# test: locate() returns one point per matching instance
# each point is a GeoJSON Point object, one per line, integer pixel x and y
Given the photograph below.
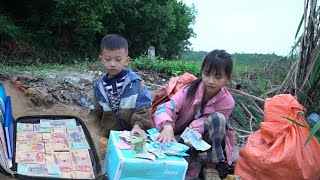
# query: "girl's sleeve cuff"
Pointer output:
{"type": "Point", "coordinates": [166, 123]}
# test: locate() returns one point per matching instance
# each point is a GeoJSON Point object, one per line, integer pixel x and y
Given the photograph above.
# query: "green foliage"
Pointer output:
{"type": "Point", "coordinates": [170, 67]}
{"type": "Point", "coordinates": [40, 69]}
{"type": "Point", "coordinates": [63, 28]}
{"type": "Point", "coordinates": [193, 55]}
{"type": "Point", "coordinates": [8, 29]}
{"type": "Point", "coordinates": [313, 132]}
{"type": "Point", "coordinates": [241, 116]}
{"type": "Point", "coordinates": [162, 24]}
{"type": "Point", "coordinates": [265, 73]}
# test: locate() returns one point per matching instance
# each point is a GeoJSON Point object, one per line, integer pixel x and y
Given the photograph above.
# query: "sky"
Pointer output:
{"type": "Point", "coordinates": [246, 26]}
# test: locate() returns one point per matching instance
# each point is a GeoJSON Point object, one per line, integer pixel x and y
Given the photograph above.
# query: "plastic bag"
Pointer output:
{"type": "Point", "coordinates": [277, 150]}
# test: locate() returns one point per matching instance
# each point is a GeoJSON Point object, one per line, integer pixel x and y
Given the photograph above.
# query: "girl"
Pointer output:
{"type": "Point", "coordinates": [203, 105]}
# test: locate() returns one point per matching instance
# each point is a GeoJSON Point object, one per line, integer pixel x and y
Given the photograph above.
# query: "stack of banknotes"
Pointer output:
{"type": "Point", "coordinates": [53, 148]}
{"type": "Point", "coordinates": [193, 137]}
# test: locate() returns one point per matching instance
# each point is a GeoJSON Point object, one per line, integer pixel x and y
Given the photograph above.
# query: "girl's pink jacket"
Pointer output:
{"type": "Point", "coordinates": [179, 111]}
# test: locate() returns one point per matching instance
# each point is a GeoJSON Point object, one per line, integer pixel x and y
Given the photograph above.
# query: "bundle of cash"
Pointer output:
{"type": "Point", "coordinates": [31, 157]}
{"type": "Point", "coordinates": [64, 161]}
{"type": "Point", "coordinates": [38, 129]}
{"type": "Point", "coordinates": [53, 148]}
{"type": "Point", "coordinates": [191, 136]}
{"type": "Point", "coordinates": [24, 127]}
{"type": "Point", "coordinates": [153, 133]}
{"type": "Point", "coordinates": [125, 136]}
{"type": "Point", "coordinates": [81, 160]}
{"type": "Point", "coordinates": [155, 151]}
{"type": "Point", "coordinates": [138, 145]}
{"type": "Point", "coordinates": [75, 134]}
{"type": "Point", "coordinates": [46, 137]}
{"type": "Point", "coordinates": [30, 146]}
{"type": "Point", "coordinates": [28, 136]}
{"type": "Point", "coordinates": [49, 158]}
{"type": "Point", "coordinates": [67, 123]}
{"type": "Point", "coordinates": [31, 169]}
{"type": "Point", "coordinates": [51, 170]}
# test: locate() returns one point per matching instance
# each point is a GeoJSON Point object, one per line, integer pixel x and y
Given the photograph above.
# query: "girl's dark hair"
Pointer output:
{"type": "Point", "coordinates": [114, 42]}
{"type": "Point", "coordinates": [217, 61]}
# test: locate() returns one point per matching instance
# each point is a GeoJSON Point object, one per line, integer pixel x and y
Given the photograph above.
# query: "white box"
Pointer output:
{"type": "Point", "coordinates": [121, 164]}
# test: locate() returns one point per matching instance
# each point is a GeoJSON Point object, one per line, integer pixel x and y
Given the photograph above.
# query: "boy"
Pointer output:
{"type": "Point", "coordinates": [121, 98]}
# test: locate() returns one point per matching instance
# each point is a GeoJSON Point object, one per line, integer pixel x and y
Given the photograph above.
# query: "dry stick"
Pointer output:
{"type": "Point", "coordinates": [245, 94]}
{"type": "Point", "coordinates": [155, 85]}
{"type": "Point", "coordinates": [242, 130]}
{"type": "Point", "coordinates": [287, 77]}
{"type": "Point", "coordinates": [257, 106]}
{"type": "Point", "coordinates": [236, 131]}
{"type": "Point", "coordinates": [315, 54]}
{"type": "Point", "coordinates": [244, 136]}
{"type": "Point", "coordinates": [251, 116]}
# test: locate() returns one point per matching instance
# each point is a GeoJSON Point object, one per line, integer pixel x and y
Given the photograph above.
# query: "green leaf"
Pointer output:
{"type": "Point", "coordinates": [299, 27]}
{"type": "Point", "coordinates": [313, 132]}
{"type": "Point", "coordinates": [293, 121]}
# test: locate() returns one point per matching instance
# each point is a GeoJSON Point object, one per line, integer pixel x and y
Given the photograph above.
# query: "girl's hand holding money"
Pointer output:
{"type": "Point", "coordinates": [166, 135]}
{"type": "Point", "coordinates": [137, 130]}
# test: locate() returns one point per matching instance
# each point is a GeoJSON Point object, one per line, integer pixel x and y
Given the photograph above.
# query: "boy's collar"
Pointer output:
{"type": "Point", "coordinates": [116, 77]}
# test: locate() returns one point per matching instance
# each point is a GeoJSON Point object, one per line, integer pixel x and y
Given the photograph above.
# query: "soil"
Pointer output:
{"type": "Point", "coordinates": [68, 93]}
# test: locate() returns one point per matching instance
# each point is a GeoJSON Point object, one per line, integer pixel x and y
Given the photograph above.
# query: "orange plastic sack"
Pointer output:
{"type": "Point", "coordinates": [169, 89]}
{"type": "Point", "coordinates": [277, 150]}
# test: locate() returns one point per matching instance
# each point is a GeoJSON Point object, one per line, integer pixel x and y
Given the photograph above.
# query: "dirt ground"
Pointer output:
{"type": "Point", "coordinates": [63, 95]}
{"type": "Point", "coordinates": [22, 106]}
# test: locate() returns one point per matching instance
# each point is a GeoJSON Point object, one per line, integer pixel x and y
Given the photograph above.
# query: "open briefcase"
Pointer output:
{"type": "Point", "coordinates": [33, 155]}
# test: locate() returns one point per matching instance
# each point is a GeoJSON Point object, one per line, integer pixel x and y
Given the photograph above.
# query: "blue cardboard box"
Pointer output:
{"type": "Point", "coordinates": [121, 164]}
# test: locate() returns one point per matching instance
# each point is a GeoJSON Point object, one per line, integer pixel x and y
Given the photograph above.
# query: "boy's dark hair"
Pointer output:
{"type": "Point", "coordinates": [217, 61]}
{"type": "Point", "coordinates": [113, 42]}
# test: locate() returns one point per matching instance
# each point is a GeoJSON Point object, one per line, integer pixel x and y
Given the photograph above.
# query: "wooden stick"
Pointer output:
{"type": "Point", "coordinates": [257, 106]}
{"type": "Point", "coordinates": [245, 94]}
{"type": "Point", "coordinates": [247, 110]}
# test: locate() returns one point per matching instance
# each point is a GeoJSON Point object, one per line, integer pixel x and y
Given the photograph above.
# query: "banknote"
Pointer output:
{"type": "Point", "coordinates": [84, 175]}
{"type": "Point", "coordinates": [125, 136]}
{"type": "Point", "coordinates": [31, 157]}
{"type": "Point", "coordinates": [81, 144]}
{"type": "Point", "coordinates": [146, 155]}
{"type": "Point", "coordinates": [155, 151]}
{"type": "Point", "coordinates": [67, 175]}
{"type": "Point", "coordinates": [81, 160]}
{"type": "Point", "coordinates": [38, 129]}
{"type": "Point", "coordinates": [59, 135]}
{"type": "Point", "coordinates": [49, 158]}
{"type": "Point", "coordinates": [48, 146]}
{"type": "Point", "coordinates": [60, 144]}
{"type": "Point", "coordinates": [138, 145]}
{"type": "Point", "coordinates": [58, 130]}
{"type": "Point", "coordinates": [52, 170]}
{"type": "Point", "coordinates": [24, 127]}
{"type": "Point", "coordinates": [67, 123]}
{"type": "Point", "coordinates": [191, 136]}
{"type": "Point", "coordinates": [76, 134]}
{"type": "Point", "coordinates": [31, 169]}
{"type": "Point", "coordinates": [30, 146]}
{"type": "Point", "coordinates": [46, 137]}
{"type": "Point", "coordinates": [28, 136]}
{"type": "Point", "coordinates": [183, 135]}
{"type": "Point", "coordinates": [63, 159]}
{"type": "Point", "coordinates": [153, 133]}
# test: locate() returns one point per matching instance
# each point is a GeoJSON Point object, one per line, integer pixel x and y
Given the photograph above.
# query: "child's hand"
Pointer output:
{"type": "Point", "coordinates": [137, 130]}
{"type": "Point", "coordinates": [189, 144]}
{"type": "Point", "coordinates": [166, 134]}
